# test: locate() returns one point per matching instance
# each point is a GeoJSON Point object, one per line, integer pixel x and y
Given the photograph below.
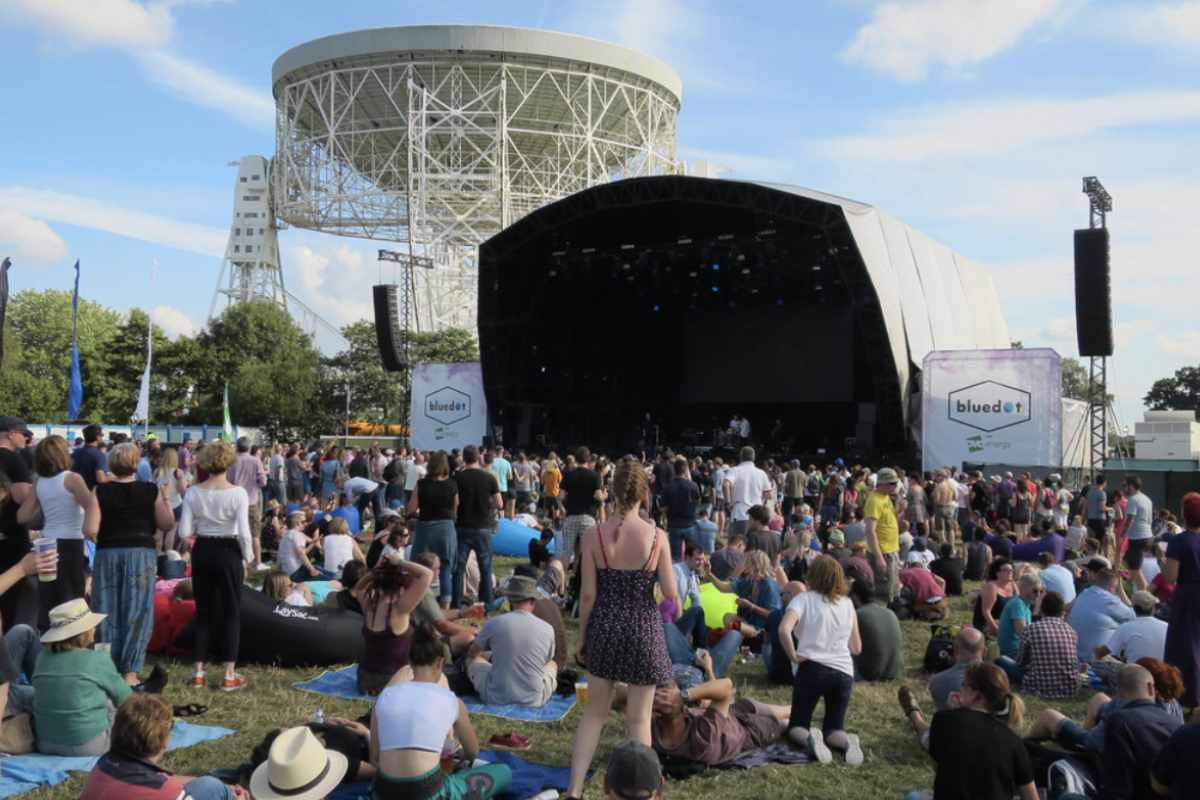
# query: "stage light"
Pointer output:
{"type": "Point", "coordinates": [692, 274]}
{"type": "Point", "coordinates": [656, 308]}
{"type": "Point", "coordinates": [715, 289]}
{"type": "Point", "coordinates": [552, 273]}
{"type": "Point", "coordinates": [628, 246]}
{"type": "Point", "coordinates": [716, 266]}
{"type": "Point", "coordinates": [745, 270]}
{"type": "Point", "coordinates": [779, 302]}
{"type": "Point", "coordinates": [625, 266]}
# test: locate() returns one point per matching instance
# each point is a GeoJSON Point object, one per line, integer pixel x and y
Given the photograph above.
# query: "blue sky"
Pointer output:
{"type": "Point", "coordinates": [971, 120]}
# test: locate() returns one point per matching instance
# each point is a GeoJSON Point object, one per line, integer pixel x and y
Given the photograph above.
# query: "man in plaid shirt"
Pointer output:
{"type": "Point", "coordinates": [1047, 663]}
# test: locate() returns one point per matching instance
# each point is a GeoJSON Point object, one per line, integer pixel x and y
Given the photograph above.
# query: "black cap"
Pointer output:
{"type": "Point", "coordinates": [10, 423]}
{"type": "Point", "coordinates": [633, 771]}
{"type": "Point", "coordinates": [1097, 564]}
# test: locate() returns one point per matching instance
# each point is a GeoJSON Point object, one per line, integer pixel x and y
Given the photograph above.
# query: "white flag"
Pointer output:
{"type": "Point", "coordinates": [142, 412]}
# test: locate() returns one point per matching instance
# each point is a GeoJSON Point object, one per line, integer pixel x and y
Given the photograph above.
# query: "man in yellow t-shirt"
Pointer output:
{"type": "Point", "coordinates": [883, 532]}
{"type": "Point", "coordinates": [551, 478]}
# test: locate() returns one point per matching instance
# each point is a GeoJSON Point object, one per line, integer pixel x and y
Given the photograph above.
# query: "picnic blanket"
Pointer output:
{"type": "Point", "coordinates": [22, 773]}
{"type": "Point", "coordinates": [344, 683]}
{"type": "Point", "coordinates": [778, 753]}
{"type": "Point", "coordinates": [528, 779]}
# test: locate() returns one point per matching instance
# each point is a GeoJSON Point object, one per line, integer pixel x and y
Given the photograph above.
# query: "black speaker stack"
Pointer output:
{"type": "Point", "coordinates": [1093, 293]}
{"type": "Point", "coordinates": [387, 328]}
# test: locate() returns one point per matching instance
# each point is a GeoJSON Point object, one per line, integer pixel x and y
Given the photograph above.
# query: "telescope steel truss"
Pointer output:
{"type": "Point", "coordinates": [442, 149]}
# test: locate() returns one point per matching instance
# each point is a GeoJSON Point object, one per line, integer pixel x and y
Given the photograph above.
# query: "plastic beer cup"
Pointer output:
{"type": "Point", "coordinates": [581, 691]}
{"type": "Point", "coordinates": [42, 546]}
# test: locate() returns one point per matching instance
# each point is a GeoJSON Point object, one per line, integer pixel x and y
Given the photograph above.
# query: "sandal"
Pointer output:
{"type": "Point", "coordinates": [511, 740]}
{"type": "Point", "coordinates": [908, 702]}
{"type": "Point", "coordinates": [190, 710]}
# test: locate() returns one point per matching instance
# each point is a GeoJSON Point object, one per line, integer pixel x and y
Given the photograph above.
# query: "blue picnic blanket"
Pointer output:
{"type": "Point", "coordinates": [344, 683]}
{"type": "Point", "coordinates": [22, 773]}
{"type": "Point", "coordinates": [528, 779]}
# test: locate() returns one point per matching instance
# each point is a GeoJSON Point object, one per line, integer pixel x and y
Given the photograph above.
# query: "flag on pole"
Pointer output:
{"type": "Point", "coordinates": [227, 432]}
{"type": "Point", "coordinates": [142, 412]}
{"type": "Point", "coordinates": [75, 394]}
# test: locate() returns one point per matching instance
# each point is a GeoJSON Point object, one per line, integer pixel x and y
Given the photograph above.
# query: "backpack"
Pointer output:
{"type": "Point", "coordinates": [813, 486]}
{"type": "Point", "coordinates": [1047, 499]}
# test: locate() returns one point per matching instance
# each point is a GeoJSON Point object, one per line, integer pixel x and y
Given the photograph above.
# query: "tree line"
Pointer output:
{"type": "Point", "coordinates": [278, 380]}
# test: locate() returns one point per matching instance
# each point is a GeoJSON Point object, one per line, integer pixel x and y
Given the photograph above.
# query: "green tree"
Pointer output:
{"type": "Point", "coordinates": [41, 321]}
{"type": "Point", "coordinates": [451, 346]}
{"type": "Point", "coordinates": [376, 395]}
{"type": "Point", "coordinates": [1178, 393]}
{"type": "Point", "coordinates": [1074, 379]}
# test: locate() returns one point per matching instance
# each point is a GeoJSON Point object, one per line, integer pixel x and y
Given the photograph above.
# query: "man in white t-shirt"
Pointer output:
{"type": "Point", "coordinates": [1144, 635]}
{"type": "Point", "coordinates": [745, 485]}
{"type": "Point", "coordinates": [1139, 513]}
{"type": "Point", "coordinates": [414, 471]}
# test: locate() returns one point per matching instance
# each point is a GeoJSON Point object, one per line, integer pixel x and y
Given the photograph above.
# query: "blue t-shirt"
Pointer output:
{"type": "Point", "coordinates": [1095, 497]}
{"type": "Point", "coordinates": [351, 515]}
{"type": "Point", "coordinates": [1008, 638]}
{"type": "Point", "coordinates": [503, 468]}
{"type": "Point", "coordinates": [86, 461]}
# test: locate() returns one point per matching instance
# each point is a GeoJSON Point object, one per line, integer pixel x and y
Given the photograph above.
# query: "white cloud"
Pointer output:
{"type": "Point", "coordinates": [175, 322]}
{"type": "Point", "coordinates": [1185, 344]}
{"type": "Point", "coordinates": [1158, 25]}
{"type": "Point", "coordinates": [145, 32]}
{"type": "Point", "coordinates": [988, 128]}
{"type": "Point", "coordinates": [332, 276]}
{"type": "Point", "coordinates": [29, 241]}
{"type": "Point", "coordinates": [95, 23]}
{"type": "Point", "coordinates": [199, 85]}
{"type": "Point", "coordinates": [1125, 332]}
{"type": "Point", "coordinates": [905, 40]}
{"type": "Point", "coordinates": [91, 213]}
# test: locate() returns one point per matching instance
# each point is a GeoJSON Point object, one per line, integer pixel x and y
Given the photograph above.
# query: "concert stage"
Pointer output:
{"type": "Point", "coordinates": [696, 299]}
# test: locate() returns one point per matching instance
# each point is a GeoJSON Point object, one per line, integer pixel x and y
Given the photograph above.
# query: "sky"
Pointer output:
{"type": "Point", "coordinates": [970, 120]}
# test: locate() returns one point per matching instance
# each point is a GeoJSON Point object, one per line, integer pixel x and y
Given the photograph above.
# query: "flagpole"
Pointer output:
{"type": "Point", "coordinates": [75, 392]}
{"type": "Point", "coordinates": [149, 348]}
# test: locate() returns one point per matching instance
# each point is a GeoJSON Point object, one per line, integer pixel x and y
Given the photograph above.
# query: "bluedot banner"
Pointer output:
{"type": "Point", "coordinates": [992, 406]}
{"type": "Point", "coordinates": [448, 407]}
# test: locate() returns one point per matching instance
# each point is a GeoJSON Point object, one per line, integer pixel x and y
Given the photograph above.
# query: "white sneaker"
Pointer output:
{"type": "Point", "coordinates": [263, 567]}
{"type": "Point", "coordinates": [816, 743]}
{"type": "Point", "coordinates": [854, 753]}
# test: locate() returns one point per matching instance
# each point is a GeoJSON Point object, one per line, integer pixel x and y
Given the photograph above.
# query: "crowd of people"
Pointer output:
{"type": "Point", "coordinates": [820, 566]}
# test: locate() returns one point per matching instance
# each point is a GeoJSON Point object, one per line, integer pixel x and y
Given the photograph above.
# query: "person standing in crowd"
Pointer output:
{"type": "Point", "coordinates": [504, 471]}
{"type": "Point", "coordinates": [883, 531]}
{"type": "Point", "coordinates": [88, 462]}
{"type": "Point", "coordinates": [331, 474]}
{"type": "Point", "coordinates": [582, 494]}
{"type": "Point", "coordinates": [819, 633]}
{"type": "Point", "coordinates": [216, 512]}
{"type": "Point", "coordinates": [294, 470]}
{"type": "Point", "coordinates": [745, 486]}
{"type": "Point", "coordinates": [171, 482]}
{"type": "Point", "coordinates": [123, 579]}
{"type": "Point", "coordinates": [1181, 567]}
{"type": "Point", "coordinates": [1139, 513]}
{"type": "Point", "coordinates": [478, 500]}
{"type": "Point", "coordinates": [621, 635]}
{"type": "Point", "coordinates": [69, 514]}
{"type": "Point", "coordinates": [435, 502]}
{"type": "Point", "coordinates": [19, 605]}
{"type": "Point", "coordinates": [248, 472]}
{"type": "Point", "coordinates": [679, 499]}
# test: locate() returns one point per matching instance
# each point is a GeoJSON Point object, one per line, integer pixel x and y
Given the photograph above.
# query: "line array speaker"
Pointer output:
{"type": "Point", "coordinates": [1093, 293]}
{"type": "Point", "coordinates": [387, 328]}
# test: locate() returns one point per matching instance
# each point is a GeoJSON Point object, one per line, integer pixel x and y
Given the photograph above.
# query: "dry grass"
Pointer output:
{"type": "Point", "coordinates": [895, 763]}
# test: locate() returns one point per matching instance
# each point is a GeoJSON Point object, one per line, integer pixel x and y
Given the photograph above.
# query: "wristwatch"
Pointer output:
{"type": "Point", "coordinates": [686, 695]}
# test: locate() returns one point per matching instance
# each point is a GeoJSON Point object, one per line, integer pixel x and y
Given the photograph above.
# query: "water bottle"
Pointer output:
{"type": "Point", "coordinates": [320, 717]}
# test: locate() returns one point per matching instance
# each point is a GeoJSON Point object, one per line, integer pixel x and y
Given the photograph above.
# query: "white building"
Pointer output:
{"type": "Point", "coordinates": [1168, 436]}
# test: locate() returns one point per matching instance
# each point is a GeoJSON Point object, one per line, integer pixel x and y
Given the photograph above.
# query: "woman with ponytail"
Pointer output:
{"type": "Point", "coordinates": [974, 750]}
{"type": "Point", "coordinates": [408, 730]}
{"type": "Point", "coordinates": [620, 632]}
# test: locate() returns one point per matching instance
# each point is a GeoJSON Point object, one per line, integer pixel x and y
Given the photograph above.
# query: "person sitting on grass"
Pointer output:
{"type": "Point", "coordinates": [141, 733]}
{"type": "Point", "coordinates": [1045, 664]}
{"type": "Point", "coordinates": [76, 690]}
{"type": "Point", "coordinates": [347, 597]}
{"type": "Point", "coordinates": [717, 733]}
{"type": "Point", "coordinates": [756, 589]}
{"type": "Point", "coordinates": [409, 725]}
{"type": "Point", "coordinates": [388, 594]}
{"type": "Point", "coordinates": [446, 620]}
{"type": "Point", "coordinates": [339, 734]}
{"type": "Point", "coordinates": [293, 553]}
{"type": "Point", "coordinates": [1052, 724]}
{"type": "Point", "coordinates": [970, 646]}
{"type": "Point", "coordinates": [882, 656]}
{"type": "Point", "coordinates": [279, 587]}
{"type": "Point", "coordinates": [511, 661]}
{"type": "Point", "coordinates": [1018, 613]}
{"type": "Point", "coordinates": [298, 768]}
{"type": "Point", "coordinates": [973, 749]}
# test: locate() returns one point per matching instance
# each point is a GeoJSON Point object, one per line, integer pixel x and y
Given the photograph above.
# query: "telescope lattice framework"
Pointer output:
{"type": "Point", "coordinates": [440, 136]}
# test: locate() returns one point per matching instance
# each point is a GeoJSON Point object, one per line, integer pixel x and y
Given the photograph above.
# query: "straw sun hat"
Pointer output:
{"type": "Point", "coordinates": [71, 619]}
{"type": "Point", "coordinates": [298, 768]}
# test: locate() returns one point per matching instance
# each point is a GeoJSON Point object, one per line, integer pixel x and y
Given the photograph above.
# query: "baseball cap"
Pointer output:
{"type": "Point", "coordinates": [886, 475]}
{"type": "Point", "coordinates": [11, 423]}
{"type": "Point", "coordinates": [1144, 601]}
{"type": "Point", "coordinates": [839, 462]}
{"type": "Point", "coordinates": [633, 771]}
{"type": "Point", "coordinates": [836, 536]}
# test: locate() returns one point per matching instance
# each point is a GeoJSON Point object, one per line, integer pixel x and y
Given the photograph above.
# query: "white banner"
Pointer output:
{"type": "Point", "coordinates": [448, 409]}
{"type": "Point", "coordinates": [992, 406]}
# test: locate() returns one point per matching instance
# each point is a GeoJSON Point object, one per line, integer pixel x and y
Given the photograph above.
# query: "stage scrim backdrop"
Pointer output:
{"type": "Point", "coordinates": [992, 406]}
{"type": "Point", "coordinates": [448, 408]}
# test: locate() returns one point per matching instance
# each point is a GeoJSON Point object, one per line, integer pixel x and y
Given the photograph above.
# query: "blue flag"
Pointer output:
{"type": "Point", "coordinates": [75, 396]}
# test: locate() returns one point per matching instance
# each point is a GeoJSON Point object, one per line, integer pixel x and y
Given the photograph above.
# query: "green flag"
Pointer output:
{"type": "Point", "coordinates": [227, 433]}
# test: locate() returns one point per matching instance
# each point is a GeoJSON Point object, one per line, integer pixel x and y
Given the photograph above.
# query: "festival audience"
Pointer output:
{"type": "Point", "coordinates": [989, 604]}
{"type": "Point", "coordinates": [969, 647]}
{"type": "Point", "coordinates": [882, 656]}
{"type": "Point", "coordinates": [719, 731]}
{"type": "Point", "coordinates": [511, 661]}
{"type": "Point", "coordinates": [725, 560]}
{"type": "Point", "coordinates": [435, 502]}
{"type": "Point", "coordinates": [949, 567]}
{"type": "Point", "coordinates": [1018, 613]}
{"type": "Point", "coordinates": [388, 595]}
{"type": "Point", "coordinates": [1046, 663]}
{"type": "Point", "coordinates": [1181, 568]}
{"type": "Point", "coordinates": [1098, 610]}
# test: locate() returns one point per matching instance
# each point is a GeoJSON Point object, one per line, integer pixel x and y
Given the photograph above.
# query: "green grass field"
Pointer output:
{"type": "Point", "coordinates": [895, 763]}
